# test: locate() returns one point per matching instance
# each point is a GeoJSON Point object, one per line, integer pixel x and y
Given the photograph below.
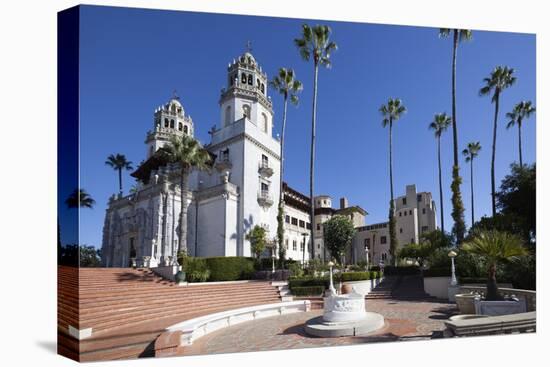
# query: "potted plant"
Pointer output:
{"type": "Point", "coordinates": [495, 248]}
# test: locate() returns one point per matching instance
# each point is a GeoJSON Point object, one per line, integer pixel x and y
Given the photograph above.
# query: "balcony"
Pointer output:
{"type": "Point", "coordinates": [265, 199]}
{"type": "Point", "coordinates": [265, 170]}
{"type": "Point", "coordinates": [223, 164]}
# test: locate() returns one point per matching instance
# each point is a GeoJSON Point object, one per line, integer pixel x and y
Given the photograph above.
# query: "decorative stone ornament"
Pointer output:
{"type": "Point", "coordinates": [180, 276]}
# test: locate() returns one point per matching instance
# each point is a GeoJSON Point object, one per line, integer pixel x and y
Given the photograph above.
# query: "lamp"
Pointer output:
{"type": "Point", "coordinates": [452, 255]}
{"type": "Point", "coordinates": [304, 251]}
{"type": "Point", "coordinates": [331, 287]}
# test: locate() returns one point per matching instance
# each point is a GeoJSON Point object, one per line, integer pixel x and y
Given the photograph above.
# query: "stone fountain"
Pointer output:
{"type": "Point", "coordinates": [344, 315]}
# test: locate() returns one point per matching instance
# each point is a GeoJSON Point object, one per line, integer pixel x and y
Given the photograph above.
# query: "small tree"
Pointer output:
{"type": "Point", "coordinates": [495, 248]}
{"type": "Point", "coordinates": [338, 232]}
{"type": "Point", "coordinates": [281, 236]}
{"type": "Point", "coordinates": [416, 251]}
{"type": "Point", "coordinates": [429, 243]}
{"type": "Point", "coordinates": [258, 241]}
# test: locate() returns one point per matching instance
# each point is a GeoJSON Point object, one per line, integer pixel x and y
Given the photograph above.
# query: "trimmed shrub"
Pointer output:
{"type": "Point", "coordinates": [195, 269]}
{"type": "Point", "coordinates": [296, 269]}
{"type": "Point", "coordinates": [437, 272]}
{"type": "Point", "coordinates": [230, 268]}
{"type": "Point", "coordinates": [269, 275]}
{"type": "Point", "coordinates": [265, 263]}
{"type": "Point", "coordinates": [355, 276]}
{"type": "Point", "coordinates": [401, 270]}
{"type": "Point", "coordinates": [308, 291]}
{"type": "Point", "coordinates": [375, 268]}
{"type": "Point", "coordinates": [308, 282]}
{"type": "Point", "coordinates": [360, 275]}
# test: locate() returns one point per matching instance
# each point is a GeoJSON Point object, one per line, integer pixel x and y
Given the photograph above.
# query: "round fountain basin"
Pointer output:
{"type": "Point", "coordinates": [344, 308]}
{"type": "Point", "coordinates": [344, 315]}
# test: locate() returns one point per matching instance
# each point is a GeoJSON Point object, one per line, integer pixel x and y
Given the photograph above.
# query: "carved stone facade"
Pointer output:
{"type": "Point", "coordinates": [224, 203]}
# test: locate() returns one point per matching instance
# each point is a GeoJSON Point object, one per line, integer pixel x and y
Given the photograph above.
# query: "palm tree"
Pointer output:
{"type": "Point", "coordinates": [495, 247]}
{"type": "Point", "coordinates": [521, 110]}
{"type": "Point", "coordinates": [391, 112]}
{"type": "Point", "coordinates": [459, 227]}
{"type": "Point", "coordinates": [470, 153]}
{"type": "Point", "coordinates": [286, 84]}
{"type": "Point", "coordinates": [501, 78]}
{"type": "Point", "coordinates": [119, 162]}
{"type": "Point", "coordinates": [439, 125]}
{"type": "Point", "coordinates": [79, 198]}
{"type": "Point", "coordinates": [189, 154]}
{"type": "Point", "coordinates": [315, 43]}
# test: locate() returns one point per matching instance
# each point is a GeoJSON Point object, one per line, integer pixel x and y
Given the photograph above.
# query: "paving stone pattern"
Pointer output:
{"type": "Point", "coordinates": [405, 320]}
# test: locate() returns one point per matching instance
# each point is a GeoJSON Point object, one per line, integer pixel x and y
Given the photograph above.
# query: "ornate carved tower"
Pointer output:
{"type": "Point", "coordinates": [246, 95]}
{"type": "Point", "coordinates": [169, 120]}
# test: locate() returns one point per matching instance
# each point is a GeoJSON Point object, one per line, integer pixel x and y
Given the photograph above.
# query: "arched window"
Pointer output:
{"type": "Point", "coordinates": [243, 78]}
{"type": "Point", "coordinates": [180, 126]}
{"type": "Point", "coordinates": [166, 122]}
{"type": "Point", "coordinates": [246, 111]}
{"type": "Point", "coordinates": [250, 82]}
{"type": "Point", "coordinates": [174, 108]}
{"type": "Point", "coordinates": [265, 123]}
{"type": "Point", "coordinates": [185, 130]}
{"type": "Point", "coordinates": [227, 119]}
{"type": "Point", "coordinates": [258, 82]}
{"type": "Point", "coordinates": [172, 124]}
{"type": "Point", "coordinates": [262, 88]}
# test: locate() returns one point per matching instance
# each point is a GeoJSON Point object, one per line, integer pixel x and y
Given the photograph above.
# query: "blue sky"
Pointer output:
{"type": "Point", "coordinates": [131, 60]}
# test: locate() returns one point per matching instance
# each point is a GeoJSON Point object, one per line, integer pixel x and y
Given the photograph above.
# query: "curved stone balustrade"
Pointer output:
{"type": "Point", "coordinates": [193, 329]}
{"type": "Point", "coordinates": [529, 296]}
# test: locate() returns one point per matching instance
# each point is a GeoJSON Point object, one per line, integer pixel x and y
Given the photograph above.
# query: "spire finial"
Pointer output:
{"type": "Point", "coordinates": [249, 46]}
{"type": "Point", "coordinates": [175, 95]}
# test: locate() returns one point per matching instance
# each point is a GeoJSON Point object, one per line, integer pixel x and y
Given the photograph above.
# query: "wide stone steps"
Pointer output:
{"type": "Point", "coordinates": [128, 309]}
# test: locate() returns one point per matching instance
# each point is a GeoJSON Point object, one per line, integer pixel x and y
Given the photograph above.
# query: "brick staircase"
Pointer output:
{"type": "Point", "coordinates": [128, 309]}
{"type": "Point", "coordinates": [410, 287]}
{"type": "Point", "coordinates": [384, 289]}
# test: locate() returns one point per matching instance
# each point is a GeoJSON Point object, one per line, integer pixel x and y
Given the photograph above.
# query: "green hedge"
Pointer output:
{"type": "Point", "coordinates": [307, 282]}
{"type": "Point", "coordinates": [437, 272]}
{"type": "Point", "coordinates": [308, 291]}
{"type": "Point", "coordinates": [356, 276]}
{"type": "Point", "coordinates": [195, 268]}
{"type": "Point", "coordinates": [401, 270]}
{"type": "Point", "coordinates": [230, 268]}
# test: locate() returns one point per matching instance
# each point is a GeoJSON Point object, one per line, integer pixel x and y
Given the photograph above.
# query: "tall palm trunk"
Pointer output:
{"type": "Point", "coordinates": [493, 198]}
{"type": "Point", "coordinates": [455, 132]}
{"type": "Point", "coordinates": [440, 183]}
{"type": "Point", "coordinates": [492, 288]}
{"type": "Point", "coordinates": [280, 213]}
{"type": "Point", "coordinates": [458, 207]}
{"type": "Point", "coordinates": [393, 239]}
{"type": "Point", "coordinates": [472, 186]}
{"type": "Point", "coordinates": [519, 138]}
{"type": "Point", "coordinates": [120, 180]}
{"type": "Point", "coordinates": [391, 161]}
{"type": "Point", "coordinates": [312, 157]}
{"type": "Point", "coordinates": [182, 244]}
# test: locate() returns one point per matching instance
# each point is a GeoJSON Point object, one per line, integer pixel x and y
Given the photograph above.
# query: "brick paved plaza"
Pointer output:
{"type": "Point", "coordinates": [405, 320]}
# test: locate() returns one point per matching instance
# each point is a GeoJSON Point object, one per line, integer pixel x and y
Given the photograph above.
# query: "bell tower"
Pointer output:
{"type": "Point", "coordinates": [168, 120]}
{"type": "Point", "coordinates": [246, 94]}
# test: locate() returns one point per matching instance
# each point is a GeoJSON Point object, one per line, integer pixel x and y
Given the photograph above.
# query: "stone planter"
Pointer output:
{"type": "Point", "coordinates": [346, 288]}
{"type": "Point", "coordinates": [466, 317]}
{"type": "Point", "coordinates": [465, 303]}
{"type": "Point", "coordinates": [497, 308]}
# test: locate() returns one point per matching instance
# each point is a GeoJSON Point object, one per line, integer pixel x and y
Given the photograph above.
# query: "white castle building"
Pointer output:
{"type": "Point", "coordinates": [241, 190]}
{"type": "Point", "coordinates": [415, 214]}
